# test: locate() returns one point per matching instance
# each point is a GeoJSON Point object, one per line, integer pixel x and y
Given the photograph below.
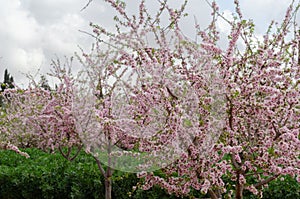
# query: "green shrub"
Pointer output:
{"type": "Point", "coordinates": [285, 187]}
{"type": "Point", "coordinates": [50, 176]}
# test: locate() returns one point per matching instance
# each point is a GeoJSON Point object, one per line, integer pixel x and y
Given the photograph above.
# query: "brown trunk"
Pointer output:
{"type": "Point", "coordinates": [108, 187]}
{"type": "Point", "coordinates": [212, 194]}
{"type": "Point", "coordinates": [239, 189]}
{"type": "Point", "coordinates": [107, 178]}
{"type": "Point", "coordinates": [108, 174]}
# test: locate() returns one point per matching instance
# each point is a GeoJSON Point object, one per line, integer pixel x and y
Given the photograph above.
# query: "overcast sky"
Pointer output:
{"type": "Point", "coordinates": [33, 32]}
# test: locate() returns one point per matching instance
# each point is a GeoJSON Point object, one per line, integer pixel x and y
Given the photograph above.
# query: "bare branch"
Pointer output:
{"type": "Point", "coordinates": [88, 3]}
{"type": "Point", "coordinates": [100, 167]}
{"type": "Point", "coordinates": [266, 181]}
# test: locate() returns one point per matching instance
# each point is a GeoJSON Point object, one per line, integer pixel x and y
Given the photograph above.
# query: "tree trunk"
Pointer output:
{"type": "Point", "coordinates": [107, 178]}
{"type": "Point", "coordinates": [108, 174]}
{"type": "Point", "coordinates": [213, 195]}
{"type": "Point", "coordinates": [239, 191]}
{"type": "Point", "coordinates": [108, 188]}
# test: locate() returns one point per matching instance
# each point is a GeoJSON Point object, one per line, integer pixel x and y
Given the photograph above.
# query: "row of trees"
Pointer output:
{"type": "Point", "coordinates": [199, 112]}
{"type": "Point", "coordinates": [7, 83]}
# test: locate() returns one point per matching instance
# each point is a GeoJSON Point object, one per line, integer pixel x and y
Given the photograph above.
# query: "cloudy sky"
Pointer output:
{"type": "Point", "coordinates": [33, 32]}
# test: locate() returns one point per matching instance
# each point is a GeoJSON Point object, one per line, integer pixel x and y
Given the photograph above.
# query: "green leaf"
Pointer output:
{"type": "Point", "coordinates": [155, 111]}
{"type": "Point", "coordinates": [271, 151]}
{"type": "Point", "coordinates": [187, 123]}
{"type": "Point", "coordinates": [235, 94]}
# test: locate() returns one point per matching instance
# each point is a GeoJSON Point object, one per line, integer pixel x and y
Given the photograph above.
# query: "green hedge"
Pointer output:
{"type": "Point", "coordinates": [50, 176]}
{"type": "Point", "coordinates": [287, 188]}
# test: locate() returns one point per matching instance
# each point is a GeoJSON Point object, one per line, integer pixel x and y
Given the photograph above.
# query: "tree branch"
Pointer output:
{"type": "Point", "coordinates": [77, 152]}
{"type": "Point", "coordinates": [235, 164]}
{"type": "Point", "coordinates": [100, 167]}
{"type": "Point", "coordinates": [88, 3]}
{"type": "Point", "coordinates": [212, 194]}
{"type": "Point", "coordinates": [266, 181]}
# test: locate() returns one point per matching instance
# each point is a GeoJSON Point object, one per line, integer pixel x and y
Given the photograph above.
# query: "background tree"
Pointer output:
{"type": "Point", "coordinates": [8, 82]}
{"type": "Point", "coordinates": [4, 142]}
{"type": "Point", "coordinates": [38, 117]}
{"type": "Point", "coordinates": [44, 83]}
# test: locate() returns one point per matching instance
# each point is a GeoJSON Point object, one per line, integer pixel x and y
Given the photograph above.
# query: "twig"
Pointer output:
{"type": "Point", "coordinates": [89, 2]}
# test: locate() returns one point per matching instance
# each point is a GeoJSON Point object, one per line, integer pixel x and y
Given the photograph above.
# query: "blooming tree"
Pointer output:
{"type": "Point", "coordinates": [36, 117]}
{"type": "Point", "coordinates": [141, 103]}
{"type": "Point", "coordinates": [259, 138]}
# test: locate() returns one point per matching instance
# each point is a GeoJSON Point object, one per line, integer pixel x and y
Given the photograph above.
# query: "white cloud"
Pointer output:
{"type": "Point", "coordinates": [222, 25]}
{"type": "Point", "coordinates": [17, 25]}
{"type": "Point", "coordinates": [266, 9]}
{"type": "Point", "coordinates": [34, 32]}
{"type": "Point", "coordinates": [19, 37]}
{"type": "Point", "coordinates": [28, 59]}
{"type": "Point", "coordinates": [262, 12]}
{"type": "Point", "coordinates": [62, 37]}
